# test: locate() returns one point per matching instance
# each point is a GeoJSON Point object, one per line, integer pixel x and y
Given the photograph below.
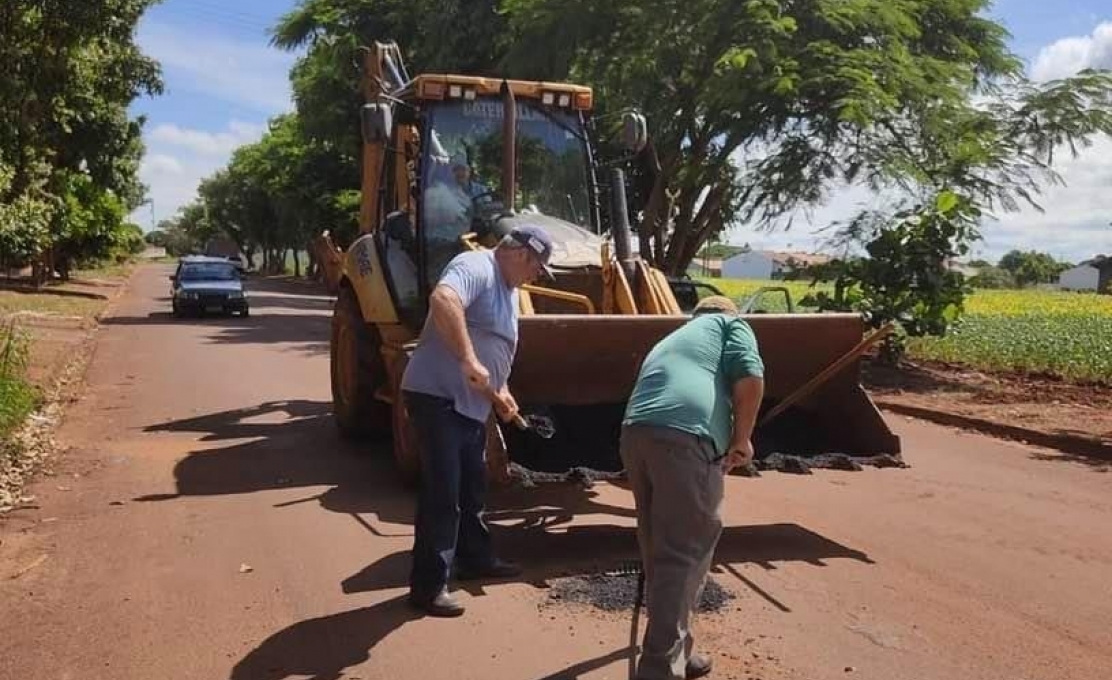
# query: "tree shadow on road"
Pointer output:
{"type": "Point", "coordinates": [322, 648]}
{"type": "Point", "coordinates": [305, 331]}
{"type": "Point", "coordinates": [285, 445]}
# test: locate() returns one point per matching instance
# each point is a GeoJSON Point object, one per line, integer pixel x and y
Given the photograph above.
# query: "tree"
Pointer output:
{"type": "Point", "coordinates": [71, 71]}
{"type": "Point", "coordinates": [760, 108]}
{"type": "Point", "coordinates": [1031, 267]}
{"type": "Point", "coordinates": [157, 237]}
{"type": "Point", "coordinates": [463, 36]}
{"type": "Point", "coordinates": [276, 194]}
{"type": "Point", "coordinates": [992, 277]}
{"type": "Point", "coordinates": [904, 278]}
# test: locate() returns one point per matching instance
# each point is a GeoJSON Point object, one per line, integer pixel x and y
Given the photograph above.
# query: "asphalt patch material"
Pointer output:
{"type": "Point", "coordinates": [618, 592]}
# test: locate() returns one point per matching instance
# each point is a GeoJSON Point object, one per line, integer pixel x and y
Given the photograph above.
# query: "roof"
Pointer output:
{"type": "Point", "coordinates": [787, 257]}
{"type": "Point", "coordinates": [1099, 262]}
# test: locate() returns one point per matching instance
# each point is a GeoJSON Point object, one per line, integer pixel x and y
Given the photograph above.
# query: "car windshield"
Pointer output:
{"type": "Point", "coordinates": [207, 272]}
{"type": "Point", "coordinates": [463, 168]}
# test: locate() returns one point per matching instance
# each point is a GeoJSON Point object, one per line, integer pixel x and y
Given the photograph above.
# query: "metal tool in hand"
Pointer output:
{"type": "Point", "coordinates": [542, 426]}
{"type": "Point", "coordinates": [539, 425]}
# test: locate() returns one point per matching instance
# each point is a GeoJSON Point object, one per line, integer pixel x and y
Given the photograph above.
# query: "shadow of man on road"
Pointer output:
{"type": "Point", "coordinates": [322, 648]}
{"type": "Point", "coordinates": [546, 555]}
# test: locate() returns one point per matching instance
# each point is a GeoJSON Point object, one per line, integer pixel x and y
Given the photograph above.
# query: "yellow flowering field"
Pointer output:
{"type": "Point", "coordinates": [1058, 333]}
{"type": "Point", "coordinates": [1063, 334]}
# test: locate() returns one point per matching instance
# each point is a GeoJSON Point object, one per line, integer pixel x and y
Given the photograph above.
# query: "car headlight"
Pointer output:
{"type": "Point", "coordinates": [235, 294]}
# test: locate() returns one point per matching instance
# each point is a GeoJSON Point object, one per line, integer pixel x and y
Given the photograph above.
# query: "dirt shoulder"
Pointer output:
{"type": "Point", "coordinates": [1073, 419]}
{"type": "Point", "coordinates": [59, 325]}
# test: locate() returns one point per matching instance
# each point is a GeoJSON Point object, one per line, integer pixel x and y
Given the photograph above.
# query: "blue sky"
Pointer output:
{"type": "Point", "coordinates": [223, 81]}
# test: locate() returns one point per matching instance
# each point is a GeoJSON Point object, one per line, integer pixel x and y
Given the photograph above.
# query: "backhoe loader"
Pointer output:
{"type": "Point", "coordinates": [451, 162]}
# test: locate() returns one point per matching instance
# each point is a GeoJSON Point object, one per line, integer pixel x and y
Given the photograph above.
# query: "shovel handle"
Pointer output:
{"type": "Point", "coordinates": [829, 372]}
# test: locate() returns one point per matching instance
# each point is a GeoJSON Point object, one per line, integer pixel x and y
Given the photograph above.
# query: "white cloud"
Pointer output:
{"type": "Point", "coordinates": [1069, 55]}
{"type": "Point", "coordinates": [1075, 222]}
{"type": "Point", "coordinates": [207, 143]}
{"type": "Point", "coordinates": [207, 76]}
{"type": "Point", "coordinates": [178, 158]}
{"type": "Point", "coordinates": [250, 74]}
{"type": "Point", "coordinates": [161, 164]}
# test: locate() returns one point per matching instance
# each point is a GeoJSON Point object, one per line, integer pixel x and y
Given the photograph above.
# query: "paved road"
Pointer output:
{"type": "Point", "coordinates": [207, 523]}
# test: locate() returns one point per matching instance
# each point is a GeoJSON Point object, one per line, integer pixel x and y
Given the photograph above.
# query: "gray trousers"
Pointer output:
{"type": "Point", "coordinates": [677, 486]}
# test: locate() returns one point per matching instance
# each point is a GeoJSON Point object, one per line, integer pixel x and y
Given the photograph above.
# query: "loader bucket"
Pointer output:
{"type": "Point", "coordinates": [579, 370]}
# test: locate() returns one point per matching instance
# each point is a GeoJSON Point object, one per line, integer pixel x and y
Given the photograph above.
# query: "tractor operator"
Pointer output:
{"type": "Point", "coordinates": [689, 422]}
{"type": "Point", "coordinates": [450, 204]}
{"type": "Point", "coordinates": [458, 370]}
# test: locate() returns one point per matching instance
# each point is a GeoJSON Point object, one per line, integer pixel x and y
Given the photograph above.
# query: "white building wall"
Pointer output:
{"type": "Point", "coordinates": [1083, 277]}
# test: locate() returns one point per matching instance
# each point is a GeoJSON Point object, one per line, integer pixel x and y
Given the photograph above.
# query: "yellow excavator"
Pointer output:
{"type": "Point", "coordinates": [451, 162]}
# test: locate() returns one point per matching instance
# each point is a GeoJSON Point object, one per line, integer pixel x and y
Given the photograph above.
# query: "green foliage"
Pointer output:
{"type": "Point", "coordinates": [69, 148]}
{"type": "Point", "coordinates": [274, 195]}
{"type": "Point", "coordinates": [1062, 334]}
{"type": "Point", "coordinates": [757, 109]}
{"type": "Point", "coordinates": [1031, 267]}
{"type": "Point", "coordinates": [722, 251]}
{"type": "Point", "coordinates": [178, 240]}
{"type": "Point", "coordinates": [24, 223]}
{"type": "Point", "coordinates": [990, 277]}
{"type": "Point", "coordinates": [760, 108]}
{"type": "Point", "coordinates": [156, 238]}
{"type": "Point", "coordinates": [905, 277]}
{"type": "Point", "coordinates": [17, 398]}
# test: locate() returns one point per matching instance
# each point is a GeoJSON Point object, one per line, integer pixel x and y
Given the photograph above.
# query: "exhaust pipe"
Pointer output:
{"type": "Point", "coordinates": [509, 148]}
{"type": "Point", "coordinates": [619, 224]}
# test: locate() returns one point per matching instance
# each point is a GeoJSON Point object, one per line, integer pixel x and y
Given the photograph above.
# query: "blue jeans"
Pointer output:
{"type": "Point", "coordinates": [449, 524]}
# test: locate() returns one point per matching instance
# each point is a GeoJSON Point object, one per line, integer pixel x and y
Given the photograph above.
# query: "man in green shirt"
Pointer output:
{"type": "Point", "coordinates": [689, 421]}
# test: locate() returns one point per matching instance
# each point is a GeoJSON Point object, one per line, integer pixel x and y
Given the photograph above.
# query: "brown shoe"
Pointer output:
{"type": "Point", "coordinates": [697, 666]}
{"type": "Point", "coordinates": [442, 604]}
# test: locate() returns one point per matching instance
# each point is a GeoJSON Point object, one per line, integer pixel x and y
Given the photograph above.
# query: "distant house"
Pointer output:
{"type": "Point", "coordinates": [705, 267]}
{"type": "Point", "coordinates": [767, 264]}
{"type": "Point", "coordinates": [966, 270]}
{"type": "Point", "coordinates": [1094, 275]}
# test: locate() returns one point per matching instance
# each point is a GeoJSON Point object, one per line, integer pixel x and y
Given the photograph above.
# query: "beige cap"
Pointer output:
{"type": "Point", "coordinates": [716, 303]}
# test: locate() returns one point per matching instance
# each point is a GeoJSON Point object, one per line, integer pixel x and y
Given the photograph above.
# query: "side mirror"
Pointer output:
{"type": "Point", "coordinates": [172, 277]}
{"type": "Point", "coordinates": [635, 131]}
{"type": "Point", "coordinates": [377, 122]}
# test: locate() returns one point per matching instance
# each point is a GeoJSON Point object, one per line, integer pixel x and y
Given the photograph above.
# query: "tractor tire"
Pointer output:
{"type": "Point", "coordinates": [358, 370]}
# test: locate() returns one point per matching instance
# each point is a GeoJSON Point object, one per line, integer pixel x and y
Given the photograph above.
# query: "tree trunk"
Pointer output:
{"type": "Point", "coordinates": [296, 263]}
{"type": "Point", "coordinates": [313, 270]}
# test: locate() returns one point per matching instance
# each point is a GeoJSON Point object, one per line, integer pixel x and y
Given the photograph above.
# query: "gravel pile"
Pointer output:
{"type": "Point", "coordinates": [802, 465]}
{"type": "Point", "coordinates": [581, 475]}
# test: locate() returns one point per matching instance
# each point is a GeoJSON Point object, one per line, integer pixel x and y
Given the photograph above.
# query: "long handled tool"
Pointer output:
{"type": "Point", "coordinates": [829, 372]}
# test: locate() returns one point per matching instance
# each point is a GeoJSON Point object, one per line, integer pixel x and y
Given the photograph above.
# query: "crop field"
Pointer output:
{"type": "Point", "coordinates": [1031, 331]}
